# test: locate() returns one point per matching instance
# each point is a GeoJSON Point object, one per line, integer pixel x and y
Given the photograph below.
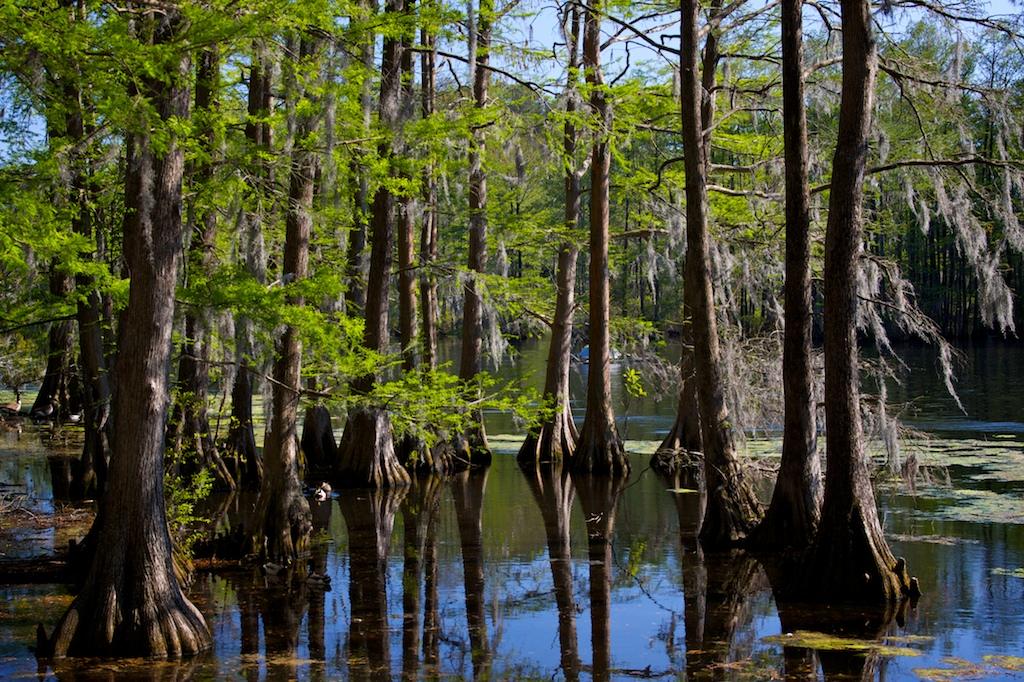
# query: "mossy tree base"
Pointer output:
{"type": "Point", "coordinates": [600, 450]}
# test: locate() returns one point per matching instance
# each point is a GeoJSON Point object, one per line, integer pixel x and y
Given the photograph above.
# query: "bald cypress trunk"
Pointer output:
{"type": "Point", "coordinates": [850, 559]}
{"type": "Point", "coordinates": [283, 520]}
{"type": "Point", "coordinates": [367, 449]}
{"type": "Point", "coordinates": [240, 445]}
{"type": "Point", "coordinates": [555, 440]}
{"type": "Point", "coordinates": [56, 398]}
{"type": "Point", "coordinates": [130, 603]}
{"type": "Point", "coordinates": [732, 510]}
{"type": "Point", "coordinates": [188, 431]}
{"type": "Point", "coordinates": [792, 517]}
{"type": "Point", "coordinates": [600, 449]}
{"type": "Point", "coordinates": [471, 446]}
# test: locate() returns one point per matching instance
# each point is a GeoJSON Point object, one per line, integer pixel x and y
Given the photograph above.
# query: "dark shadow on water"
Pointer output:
{"type": "Point", "coordinates": [420, 512]}
{"type": "Point", "coordinates": [468, 489]}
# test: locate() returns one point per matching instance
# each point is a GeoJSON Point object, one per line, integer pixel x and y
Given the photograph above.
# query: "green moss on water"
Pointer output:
{"type": "Point", "coordinates": [806, 639]}
{"type": "Point", "coordinates": [1011, 663]}
{"type": "Point", "coordinates": [1010, 572]}
{"type": "Point", "coordinates": [962, 669]}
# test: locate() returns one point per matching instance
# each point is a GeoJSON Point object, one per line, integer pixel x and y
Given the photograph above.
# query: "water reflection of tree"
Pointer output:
{"type": "Point", "coordinates": [599, 496]}
{"type": "Point", "coordinates": [468, 492]}
{"type": "Point", "coordinates": [321, 517]}
{"type": "Point", "coordinates": [420, 512]}
{"type": "Point", "coordinates": [553, 492]}
{"type": "Point", "coordinates": [370, 518]}
{"type": "Point", "coordinates": [717, 587]}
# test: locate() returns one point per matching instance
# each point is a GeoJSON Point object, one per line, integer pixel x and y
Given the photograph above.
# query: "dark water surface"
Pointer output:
{"type": "Point", "coordinates": [510, 575]}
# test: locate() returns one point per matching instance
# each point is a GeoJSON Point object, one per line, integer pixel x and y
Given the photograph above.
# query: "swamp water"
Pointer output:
{"type": "Point", "coordinates": [512, 575]}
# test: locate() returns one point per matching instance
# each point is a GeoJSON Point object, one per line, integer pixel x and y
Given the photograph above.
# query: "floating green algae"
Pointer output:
{"type": "Point", "coordinates": [1011, 572]}
{"type": "Point", "coordinates": [807, 639]}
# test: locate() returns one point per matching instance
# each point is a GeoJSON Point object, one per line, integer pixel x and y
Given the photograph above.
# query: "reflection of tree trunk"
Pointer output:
{"type": "Point", "coordinates": [599, 496]}
{"type": "Point", "coordinates": [418, 514]}
{"type": "Point", "coordinates": [249, 623]}
{"type": "Point", "coordinates": [553, 492]}
{"type": "Point", "coordinates": [283, 607]}
{"type": "Point", "coordinates": [555, 440]}
{"type": "Point", "coordinates": [729, 580]}
{"type": "Point", "coordinates": [321, 511]}
{"type": "Point", "coordinates": [600, 449]}
{"type": "Point", "coordinates": [799, 664]}
{"type": "Point", "coordinates": [468, 492]}
{"type": "Point", "coordinates": [370, 518]}
{"type": "Point", "coordinates": [431, 622]}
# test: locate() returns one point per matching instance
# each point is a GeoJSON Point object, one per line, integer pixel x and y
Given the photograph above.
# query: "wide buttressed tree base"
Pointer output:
{"type": "Point", "coordinates": [367, 456]}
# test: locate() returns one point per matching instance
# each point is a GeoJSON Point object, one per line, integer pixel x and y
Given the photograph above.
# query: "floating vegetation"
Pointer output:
{"type": "Point", "coordinates": [682, 491]}
{"type": "Point", "coordinates": [935, 540]}
{"type": "Point", "coordinates": [962, 669]}
{"type": "Point", "coordinates": [806, 639]}
{"type": "Point", "coordinates": [1011, 572]}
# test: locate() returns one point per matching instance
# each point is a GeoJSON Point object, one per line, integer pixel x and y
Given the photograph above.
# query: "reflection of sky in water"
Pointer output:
{"type": "Point", "coordinates": [969, 611]}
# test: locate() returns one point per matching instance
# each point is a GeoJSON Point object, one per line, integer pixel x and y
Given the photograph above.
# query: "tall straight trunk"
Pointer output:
{"type": "Point", "coordinates": [131, 603]}
{"type": "Point", "coordinates": [240, 446]}
{"type": "Point", "coordinates": [428, 233]}
{"type": "Point", "coordinates": [732, 508]}
{"type": "Point", "coordinates": [189, 426]}
{"type": "Point", "coordinates": [555, 440]}
{"type": "Point", "coordinates": [367, 449]}
{"type": "Point", "coordinates": [407, 228]}
{"type": "Point", "coordinates": [471, 446]}
{"type": "Point", "coordinates": [681, 446]}
{"type": "Point", "coordinates": [792, 517]}
{"type": "Point", "coordinates": [600, 449]}
{"type": "Point", "coordinates": [283, 520]}
{"type": "Point", "coordinates": [850, 559]}
{"type": "Point", "coordinates": [56, 398]}
{"type": "Point", "coordinates": [355, 295]}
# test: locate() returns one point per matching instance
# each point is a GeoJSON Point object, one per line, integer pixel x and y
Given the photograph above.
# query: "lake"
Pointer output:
{"type": "Point", "coordinates": [510, 575]}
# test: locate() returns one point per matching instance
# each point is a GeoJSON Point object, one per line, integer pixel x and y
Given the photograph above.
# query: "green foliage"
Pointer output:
{"type": "Point", "coordinates": [183, 495]}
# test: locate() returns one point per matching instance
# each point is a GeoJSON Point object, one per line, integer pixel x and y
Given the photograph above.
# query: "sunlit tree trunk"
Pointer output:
{"type": "Point", "coordinates": [283, 519]}
{"type": "Point", "coordinates": [555, 440]}
{"type": "Point", "coordinates": [850, 559]}
{"type": "Point", "coordinates": [792, 517]}
{"type": "Point", "coordinates": [428, 233]}
{"type": "Point", "coordinates": [367, 449]}
{"type": "Point", "coordinates": [732, 509]}
{"type": "Point", "coordinates": [240, 446]}
{"type": "Point", "coordinates": [471, 447]}
{"type": "Point", "coordinates": [600, 449]}
{"type": "Point", "coordinates": [188, 431]}
{"type": "Point", "coordinates": [130, 603]}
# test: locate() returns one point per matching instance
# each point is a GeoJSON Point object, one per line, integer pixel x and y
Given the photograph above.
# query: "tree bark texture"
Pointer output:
{"type": "Point", "coordinates": [792, 518]}
{"type": "Point", "coordinates": [131, 603]}
{"type": "Point", "coordinates": [555, 440]}
{"type": "Point", "coordinates": [428, 230]}
{"type": "Point", "coordinates": [850, 560]}
{"type": "Point", "coordinates": [56, 398]}
{"type": "Point", "coordinates": [283, 520]}
{"type": "Point", "coordinates": [471, 447]}
{"type": "Point", "coordinates": [732, 509]}
{"type": "Point", "coordinates": [240, 445]}
{"type": "Point", "coordinates": [189, 427]}
{"type": "Point", "coordinates": [367, 449]}
{"type": "Point", "coordinates": [600, 449]}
